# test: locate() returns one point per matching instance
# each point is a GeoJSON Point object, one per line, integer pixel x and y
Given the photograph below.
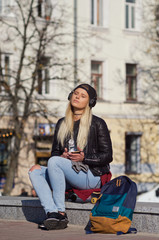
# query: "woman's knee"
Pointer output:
{"type": "Point", "coordinates": [51, 161]}
{"type": "Point", "coordinates": [34, 167]}
{"type": "Point", "coordinates": [54, 161]}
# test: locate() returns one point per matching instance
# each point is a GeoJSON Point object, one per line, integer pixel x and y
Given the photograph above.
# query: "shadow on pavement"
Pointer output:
{"type": "Point", "coordinates": [33, 211]}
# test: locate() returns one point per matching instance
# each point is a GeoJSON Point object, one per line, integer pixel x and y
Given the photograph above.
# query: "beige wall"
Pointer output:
{"type": "Point", "coordinates": [118, 128]}
{"type": "Point", "coordinates": [149, 148]}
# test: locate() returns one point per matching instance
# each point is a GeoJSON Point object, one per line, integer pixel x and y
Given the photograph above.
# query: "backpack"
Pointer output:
{"type": "Point", "coordinates": [114, 208]}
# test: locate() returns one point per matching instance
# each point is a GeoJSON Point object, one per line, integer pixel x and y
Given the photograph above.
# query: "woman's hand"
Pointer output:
{"type": "Point", "coordinates": [65, 153]}
{"type": "Point", "coordinates": [76, 157]}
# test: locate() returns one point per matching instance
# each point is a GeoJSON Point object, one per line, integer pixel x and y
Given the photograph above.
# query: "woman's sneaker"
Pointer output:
{"type": "Point", "coordinates": [42, 226]}
{"type": "Point", "coordinates": [56, 221]}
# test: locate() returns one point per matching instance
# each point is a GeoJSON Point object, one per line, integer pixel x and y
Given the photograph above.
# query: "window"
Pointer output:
{"type": "Point", "coordinates": [46, 82]}
{"type": "Point", "coordinates": [96, 77]}
{"type": "Point", "coordinates": [44, 9]}
{"type": "Point", "coordinates": [4, 6]}
{"type": "Point", "coordinates": [6, 137]}
{"type": "Point", "coordinates": [43, 76]}
{"type": "Point", "coordinates": [157, 19]}
{"type": "Point", "coordinates": [1, 9]}
{"type": "Point", "coordinates": [132, 152]}
{"type": "Point", "coordinates": [131, 82]}
{"type": "Point", "coordinates": [157, 12]}
{"type": "Point", "coordinates": [4, 69]}
{"type": "Point", "coordinates": [43, 135]}
{"type": "Point", "coordinates": [39, 8]}
{"type": "Point", "coordinates": [130, 8]}
{"type": "Point", "coordinates": [97, 12]}
{"type": "Point", "coordinates": [45, 129]}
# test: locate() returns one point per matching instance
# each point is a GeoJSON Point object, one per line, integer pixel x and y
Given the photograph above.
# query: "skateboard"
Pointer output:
{"type": "Point", "coordinates": [95, 196]}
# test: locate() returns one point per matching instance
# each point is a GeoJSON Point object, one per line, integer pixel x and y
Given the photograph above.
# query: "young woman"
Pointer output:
{"type": "Point", "coordinates": [81, 154]}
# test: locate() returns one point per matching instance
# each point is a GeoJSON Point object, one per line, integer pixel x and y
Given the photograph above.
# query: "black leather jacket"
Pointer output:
{"type": "Point", "coordinates": [98, 151]}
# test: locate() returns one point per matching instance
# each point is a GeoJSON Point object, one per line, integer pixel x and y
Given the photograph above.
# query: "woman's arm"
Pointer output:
{"type": "Point", "coordinates": [99, 145]}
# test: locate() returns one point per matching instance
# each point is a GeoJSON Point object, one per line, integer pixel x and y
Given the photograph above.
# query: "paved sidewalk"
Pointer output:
{"type": "Point", "coordinates": [23, 230]}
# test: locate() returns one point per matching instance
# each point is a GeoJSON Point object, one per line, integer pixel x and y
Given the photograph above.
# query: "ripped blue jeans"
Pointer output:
{"type": "Point", "coordinates": [59, 176]}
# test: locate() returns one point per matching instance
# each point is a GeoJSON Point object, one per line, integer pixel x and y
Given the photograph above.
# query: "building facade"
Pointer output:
{"type": "Point", "coordinates": [105, 46]}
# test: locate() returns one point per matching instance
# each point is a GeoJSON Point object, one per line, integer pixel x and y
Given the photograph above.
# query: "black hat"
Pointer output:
{"type": "Point", "coordinates": [91, 92]}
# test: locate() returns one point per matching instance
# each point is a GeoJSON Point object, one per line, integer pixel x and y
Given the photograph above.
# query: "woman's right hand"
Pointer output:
{"type": "Point", "coordinates": [65, 153]}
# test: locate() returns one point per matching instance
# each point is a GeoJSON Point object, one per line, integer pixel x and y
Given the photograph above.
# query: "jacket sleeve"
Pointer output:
{"type": "Point", "coordinates": [101, 153]}
{"type": "Point", "coordinates": [57, 149]}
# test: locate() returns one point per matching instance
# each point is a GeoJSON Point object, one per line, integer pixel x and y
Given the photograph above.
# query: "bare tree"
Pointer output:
{"type": "Point", "coordinates": [149, 70]}
{"type": "Point", "coordinates": [39, 40]}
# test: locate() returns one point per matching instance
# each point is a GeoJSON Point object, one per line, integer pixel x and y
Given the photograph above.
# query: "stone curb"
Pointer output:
{"type": "Point", "coordinates": [145, 218]}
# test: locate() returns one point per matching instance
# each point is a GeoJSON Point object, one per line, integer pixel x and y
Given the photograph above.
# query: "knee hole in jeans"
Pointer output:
{"type": "Point", "coordinates": [34, 167]}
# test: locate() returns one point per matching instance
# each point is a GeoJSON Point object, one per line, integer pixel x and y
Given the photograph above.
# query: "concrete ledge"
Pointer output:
{"type": "Point", "coordinates": [30, 209]}
{"type": "Point", "coordinates": [145, 218]}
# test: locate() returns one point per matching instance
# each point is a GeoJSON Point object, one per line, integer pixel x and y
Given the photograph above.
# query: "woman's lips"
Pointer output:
{"type": "Point", "coordinates": [76, 101]}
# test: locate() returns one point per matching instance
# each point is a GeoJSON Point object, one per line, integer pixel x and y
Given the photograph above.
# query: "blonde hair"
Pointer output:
{"type": "Point", "coordinates": [66, 128]}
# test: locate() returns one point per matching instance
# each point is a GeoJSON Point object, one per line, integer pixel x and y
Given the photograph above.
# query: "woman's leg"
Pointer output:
{"type": "Point", "coordinates": [40, 181]}
{"type": "Point", "coordinates": [60, 170]}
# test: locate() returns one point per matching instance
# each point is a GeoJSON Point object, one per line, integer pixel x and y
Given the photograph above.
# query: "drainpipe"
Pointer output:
{"type": "Point", "coordinates": [75, 43]}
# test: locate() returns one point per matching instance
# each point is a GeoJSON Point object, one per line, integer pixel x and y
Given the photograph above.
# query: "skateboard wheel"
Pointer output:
{"type": "Point", "coordinates": [93, 200]}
